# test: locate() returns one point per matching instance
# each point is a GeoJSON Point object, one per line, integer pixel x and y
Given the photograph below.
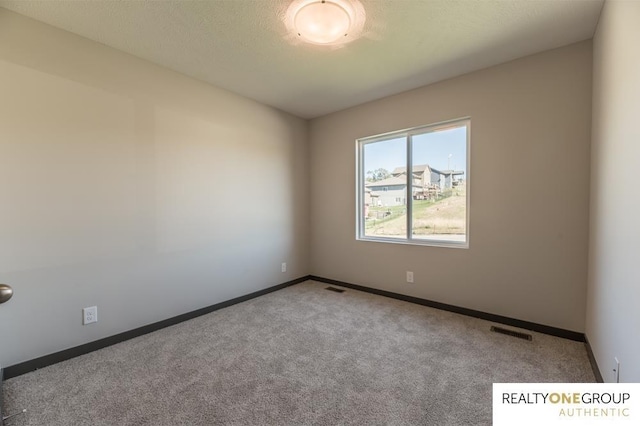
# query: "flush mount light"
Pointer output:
{"type": "Point", "coordinates": [322, 22]}
{"type": "Point", "coordinates": [327, 22]}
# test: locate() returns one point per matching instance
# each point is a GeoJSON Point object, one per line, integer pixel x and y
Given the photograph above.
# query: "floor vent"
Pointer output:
{"type": "Point", "coordinates": [512, 333]}
{"type": "Point", "coordinates": [337, 290]}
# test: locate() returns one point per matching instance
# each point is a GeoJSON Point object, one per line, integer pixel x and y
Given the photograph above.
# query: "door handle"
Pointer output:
{"type": "Point", "coordinates": [5, 293]}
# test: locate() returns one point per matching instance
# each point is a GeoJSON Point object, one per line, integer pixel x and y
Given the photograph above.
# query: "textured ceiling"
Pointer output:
{"type": "Point", "coordinates": [243, 46]}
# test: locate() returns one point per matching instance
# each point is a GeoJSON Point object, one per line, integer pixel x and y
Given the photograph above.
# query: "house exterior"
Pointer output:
{"type": "Point", "coordinates": [421, 178]}
{"type": "Point", "coordinates": [446, 179]}
{"type": "Point", "coordinates": [427, 175]}
{"type": "Point", "coordinates": [388, 192]}
{"type": "Point", "coordinates": [427, 181]}
{"type": "Point", "coordinates": [369, 200]}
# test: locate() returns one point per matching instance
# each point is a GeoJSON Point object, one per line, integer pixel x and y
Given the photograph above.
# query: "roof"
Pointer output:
{"type": "Point", "coordinates": [448, 172]}
{"type": "Point", "coordinates": [388, 182]}
{"type": "Point", "coordinates": [417, 168]}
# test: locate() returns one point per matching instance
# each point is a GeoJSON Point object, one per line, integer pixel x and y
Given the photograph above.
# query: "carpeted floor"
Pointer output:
{"type": "Point", "coordinates": [302, 355]}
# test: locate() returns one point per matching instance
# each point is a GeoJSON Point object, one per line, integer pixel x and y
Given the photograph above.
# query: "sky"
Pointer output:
{"type": "Point", "coordinates": [431, 148]}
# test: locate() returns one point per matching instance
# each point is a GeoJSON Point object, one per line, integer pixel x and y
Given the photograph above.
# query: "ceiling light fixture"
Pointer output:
{"type": "Point", "coordinates": [326, 22]}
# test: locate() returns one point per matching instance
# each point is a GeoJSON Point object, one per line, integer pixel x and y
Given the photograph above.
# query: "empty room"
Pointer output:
{"type": "Point", "coordinates": [327, 212]}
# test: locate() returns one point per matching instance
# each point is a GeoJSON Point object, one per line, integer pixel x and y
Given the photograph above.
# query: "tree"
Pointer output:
{"type": "Point", "coordinates": [377, 174]}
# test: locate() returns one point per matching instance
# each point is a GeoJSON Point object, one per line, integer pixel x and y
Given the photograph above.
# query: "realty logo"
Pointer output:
{"type": "Point", "coordinates": [566, 404]}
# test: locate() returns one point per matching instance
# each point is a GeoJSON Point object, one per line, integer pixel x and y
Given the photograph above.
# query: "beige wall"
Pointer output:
{"type": "Point", "coordinates": [130, 187]}
{"type": "Point", "coordinates": [530, 135]}
{"type": "Point", "coordinates": [613, 314]}
{"type": "Point", "coordinates": [149, 194]}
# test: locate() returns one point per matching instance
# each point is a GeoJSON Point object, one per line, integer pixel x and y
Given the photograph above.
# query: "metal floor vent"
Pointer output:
{"type": "Point", "coordinates": [512, 333]}
{"type": "Point", "coordinates": [337, 290]}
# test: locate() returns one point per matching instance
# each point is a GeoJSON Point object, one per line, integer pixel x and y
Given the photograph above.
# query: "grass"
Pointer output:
{"type": "Point", "coordinates": [445, 216]}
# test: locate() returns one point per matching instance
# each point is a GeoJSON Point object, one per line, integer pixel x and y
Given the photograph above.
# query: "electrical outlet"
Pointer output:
{"type": "Point", "coordinates": [409, 276]}
{"type": "Point", "coordinates": [89, 315]}
{"type": "Point", "coordinates": [284, 266]}
{"type": "Point", "coordinates": [616, 370]}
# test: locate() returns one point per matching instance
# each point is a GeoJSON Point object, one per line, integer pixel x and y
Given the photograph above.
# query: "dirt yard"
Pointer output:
{"type": "Point", "coordinates": [444, 217]}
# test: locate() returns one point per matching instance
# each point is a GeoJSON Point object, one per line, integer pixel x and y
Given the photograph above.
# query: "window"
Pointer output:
{"type": "Point", "coordinates": [413, 185]}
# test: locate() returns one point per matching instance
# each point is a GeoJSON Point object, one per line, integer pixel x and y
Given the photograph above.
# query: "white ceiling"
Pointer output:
{"type": "Point", "coordinates": [243, 46]}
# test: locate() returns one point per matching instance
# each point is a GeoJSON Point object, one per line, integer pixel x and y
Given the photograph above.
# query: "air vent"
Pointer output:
{"type": "Point", "coordinates": [511, 333]}
{"type": "Point", "coordinates": [337, 290]}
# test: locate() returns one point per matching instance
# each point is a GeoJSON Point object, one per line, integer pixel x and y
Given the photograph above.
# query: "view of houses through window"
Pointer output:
{"type": "Point", "coordinates": [435, 196]}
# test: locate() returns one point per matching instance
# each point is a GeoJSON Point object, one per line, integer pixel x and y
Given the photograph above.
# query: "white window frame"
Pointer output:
{"type": "Point", "coordinates": [408, 134]}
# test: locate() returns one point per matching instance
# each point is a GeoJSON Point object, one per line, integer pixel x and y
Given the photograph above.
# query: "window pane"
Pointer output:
{"type": "Point", "coordinates": [439, 162]}
{"type": "Point", "coordinates": [385, 188]}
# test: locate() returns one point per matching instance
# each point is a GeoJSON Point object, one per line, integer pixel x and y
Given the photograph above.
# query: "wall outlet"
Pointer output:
{"type": "Point", "coordinates": [616, 370]}
{"type": "Point", "coordinates": [284, 266]}
{"type": "Point", "coordinates": [409, 276]}
{"type": "Point", "coordinates": [89, 315]}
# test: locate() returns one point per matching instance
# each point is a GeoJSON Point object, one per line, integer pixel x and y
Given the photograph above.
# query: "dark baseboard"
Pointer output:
{"type": "Point", "coordinates": [592, 360]}
{"type": "Point", "coordinates": [553, 331]}
{"type": "Point", "coordinates": [34, 364]}
{"type": "Point", "coordinates": [1, 399]}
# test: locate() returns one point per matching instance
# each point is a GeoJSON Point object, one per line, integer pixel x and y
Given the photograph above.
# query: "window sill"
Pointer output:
{"type": "Point", "coordinates": [417, 242]}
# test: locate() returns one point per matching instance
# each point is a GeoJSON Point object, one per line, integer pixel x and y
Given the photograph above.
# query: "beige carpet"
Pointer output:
{"type": "Point", "coordinates": [302, 355]}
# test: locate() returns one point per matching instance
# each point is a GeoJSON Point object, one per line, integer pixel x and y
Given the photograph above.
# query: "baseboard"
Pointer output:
{"type": "Point", "coordinates": [1, 398]}
{"type": "Point", "coordinates": [592, 360]}
{"type": "Point", "coordinates": [44, 361]}
{"type": "Point", "coordinates": [553, 331]}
